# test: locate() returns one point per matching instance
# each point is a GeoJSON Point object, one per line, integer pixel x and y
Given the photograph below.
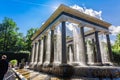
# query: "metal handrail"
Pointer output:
{"type": "Point", "coordinates": [13, 74]}
{"type": "Point", "coordinates": [9, 77]}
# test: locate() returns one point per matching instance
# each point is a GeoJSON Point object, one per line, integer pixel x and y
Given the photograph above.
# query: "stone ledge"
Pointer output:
{"type": "Point", "coordinates": [19, 75]}
{"type": "Point", "coordinates": [97, 72]}
{"type": "Point", "coordinates": [87, 71]}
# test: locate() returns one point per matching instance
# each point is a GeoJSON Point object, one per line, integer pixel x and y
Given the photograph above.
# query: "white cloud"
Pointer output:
{"type": "Point", "coordinates": [93, 13]}
{"type": "Point", "coordinates": [78, 8]}
{"type": "Point", "coordinates": [90, 12]}
{"type": "Point", "coordinates": [114, 30]}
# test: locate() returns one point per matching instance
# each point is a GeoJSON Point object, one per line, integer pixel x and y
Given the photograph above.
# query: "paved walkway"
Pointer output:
{"type": "Point", "coordinates": [10, 75]}
{"type": "Point", "coordinates": [32, 75]}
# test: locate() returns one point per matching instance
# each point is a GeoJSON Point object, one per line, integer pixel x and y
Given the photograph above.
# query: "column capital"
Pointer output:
{"type": "Point", "coordinates": [81, 25]}
{"type": "Point", "coordinates": [96, 30]}
{"type": "Point", "coordinates": [107, 33]}
{"type": "Point", "coordinates": [53, 27]}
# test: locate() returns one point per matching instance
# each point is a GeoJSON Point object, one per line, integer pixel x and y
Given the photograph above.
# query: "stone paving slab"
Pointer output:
{"type": "Point", "coordinates": [33, 75]}
{"type": "Point", "coordinates": [10, 75]}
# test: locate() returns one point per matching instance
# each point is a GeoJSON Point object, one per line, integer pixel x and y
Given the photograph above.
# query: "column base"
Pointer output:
{"type": "Point", "coordinates": [97, 64]}
{"type": "Point", "coordinates": [35, 66]}
{"type": "Point", "coordinates": [63, 70]}
{"type": "Point", "coordinates": [30, 65]}
{"type": "Point", "coordinates": [91, 64]}
{"type": "Point", "coordinates": [108, 64]}
{"type": "Point", "coordinates": [45, 64]}
{"type": "Point", "coordinates": [47, 68]}
{"type": "Point", "coordinates": [56, 63]}
{"type": "Point", "coordinates": [39, 66]}
{"type": "Point", "coordinates": [77, 64]}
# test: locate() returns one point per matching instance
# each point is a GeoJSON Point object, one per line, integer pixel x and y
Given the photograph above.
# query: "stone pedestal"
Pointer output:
{"type": "Point", "coordinates": [63, 70]}
{"type": "Point", "coordinates": [30, 65]}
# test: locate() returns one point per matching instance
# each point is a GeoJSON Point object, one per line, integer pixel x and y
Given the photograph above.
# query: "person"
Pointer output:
{"type": "Point", "coordinates": [3, 66]}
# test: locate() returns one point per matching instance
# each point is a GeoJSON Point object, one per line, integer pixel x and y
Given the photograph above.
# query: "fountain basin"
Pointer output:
{"type": "Point", "coordinates": [86, 71]}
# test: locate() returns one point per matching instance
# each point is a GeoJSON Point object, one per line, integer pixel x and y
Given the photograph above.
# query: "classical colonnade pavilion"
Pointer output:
{"type": "Point", "coordinates": [70, 37]}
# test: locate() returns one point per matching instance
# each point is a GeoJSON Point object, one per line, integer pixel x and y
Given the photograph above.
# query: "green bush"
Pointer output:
{"type": "Point", "coordinates": [116, 56]}
{"type": "Point", "coordinates": [16, 55]}
{"type": "Point", "coordinates": [13, 62]}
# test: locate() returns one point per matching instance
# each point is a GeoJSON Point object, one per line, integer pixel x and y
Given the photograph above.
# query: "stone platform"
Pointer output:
{"type": "Point", "coordinates": [34, 75]}
{"type": "Point", "coordinates": [86, 71]}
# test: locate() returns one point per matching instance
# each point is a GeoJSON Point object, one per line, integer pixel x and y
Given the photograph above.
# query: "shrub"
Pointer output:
{"type": "Point", "coordinates": [13, 62]}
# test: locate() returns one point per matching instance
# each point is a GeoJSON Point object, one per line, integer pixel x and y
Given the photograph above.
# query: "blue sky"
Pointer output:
{"type": "Point", "coordinates": [32, 13]}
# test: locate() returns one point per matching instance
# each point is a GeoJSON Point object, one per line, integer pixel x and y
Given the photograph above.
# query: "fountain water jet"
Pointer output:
{"type": "Point", "coordinates": [47, 60]}
{"type": "Point", "coordinates": [57, 45]}
{"type": "Point", "coordinates": [70, 55]}
{"type": "Point", "coordinates": [90, 52]}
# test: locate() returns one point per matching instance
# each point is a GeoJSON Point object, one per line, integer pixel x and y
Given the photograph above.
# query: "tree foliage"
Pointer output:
{"type": "Point", "coordinates": [116, 46]}
{"type": "Point", "coordinates": [9, 35]}
{"type": "Point", "coordinates": [116, 49]}
{"type": "Point", "coordinates": [29, 35]}
{"type": "Point", "coordinates": [11, 39]}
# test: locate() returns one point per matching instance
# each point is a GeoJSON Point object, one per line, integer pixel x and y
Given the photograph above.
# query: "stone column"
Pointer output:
{"type": "Point", "coordinates": [55, 50]}
{"type": "Point", "coordinates": [41, 51]}
{"type": "Point", "coordinates": [83, 47]}
{"type": "Point", "coordinates": [40, 63]}
{"type": "Point", "coordinates": [36, 56]}
{"type": "Point", "coordinates": [109, 48]}
{"type": "Point", "coordinates": [48, 49]}
{"type": "Point", "coordinates": [98, 54]}
{"type": "Point", "coordinates": [35, 52]}
{"type": "Point", "coordinates": [32, 55]}
{"type": "Point", "coordinates": [52, 47]}
{"type": "Point", "coordinates": [94, 50]}
{"type": "Point", "coordinates": [44, 49]}
{"type": "Point", "coordinates": [64, 56]}
{"type": "Point", "coordinates": [39, 54]}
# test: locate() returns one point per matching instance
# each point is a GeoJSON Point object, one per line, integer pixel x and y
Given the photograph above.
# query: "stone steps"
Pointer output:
{"type": "Point", "coordinates": [24, 73]}
{"type": "Point", "coordinates": [32, 75]}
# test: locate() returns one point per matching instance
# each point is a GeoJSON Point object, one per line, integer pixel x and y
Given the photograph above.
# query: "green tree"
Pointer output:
{"type": "Point", "coordinates": [29, 35]}
{"type": "Point", "coordinates": [11, 39]}
{"type": "Point", "coordinates": [116, 50]}
{"type": "Point", "coordinates": [9, 35]}
{"type": "Point", "coordinates": [21, 43]}
{"type": "Point", "coordinates": [116, 46]}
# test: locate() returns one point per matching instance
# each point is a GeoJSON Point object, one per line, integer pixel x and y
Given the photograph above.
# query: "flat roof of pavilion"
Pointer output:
{"type": "Point", "coordinates": [65, 9]}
